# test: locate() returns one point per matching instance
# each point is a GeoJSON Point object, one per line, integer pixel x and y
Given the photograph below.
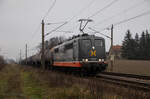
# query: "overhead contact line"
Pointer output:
{"type": "Point", "coordinates": [107, 6]}
{"type": "Point", "coordinates": [125, 10]}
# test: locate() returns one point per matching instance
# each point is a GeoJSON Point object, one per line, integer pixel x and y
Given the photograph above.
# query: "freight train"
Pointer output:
{"type": "Point", "coordinates": [84, 53]}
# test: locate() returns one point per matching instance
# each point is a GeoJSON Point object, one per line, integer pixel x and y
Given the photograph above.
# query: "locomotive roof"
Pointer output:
{"type": "Point", "coordinates": [76, 38]}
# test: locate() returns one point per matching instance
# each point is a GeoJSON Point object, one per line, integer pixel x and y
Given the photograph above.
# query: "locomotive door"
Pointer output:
{"type": "Point", "coordinates": [99, 46]}
{"type": "Point", "coordinates": [85, 48]}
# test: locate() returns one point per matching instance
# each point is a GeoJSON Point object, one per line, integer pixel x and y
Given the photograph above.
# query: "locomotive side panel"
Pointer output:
{"type": "Point", "coordinates": [64, 53]}
{"type": "Point", "coordinates": [76, 50]}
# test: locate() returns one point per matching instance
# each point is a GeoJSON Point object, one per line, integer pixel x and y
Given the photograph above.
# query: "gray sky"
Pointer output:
{"type": "Point", "coordinates": [19, 19]}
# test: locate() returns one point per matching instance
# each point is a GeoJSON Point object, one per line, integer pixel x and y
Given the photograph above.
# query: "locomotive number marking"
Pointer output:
{"type": "Point", "coordinates": [93, 53]}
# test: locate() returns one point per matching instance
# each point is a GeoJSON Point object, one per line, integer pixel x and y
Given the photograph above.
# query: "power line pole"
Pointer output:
{"type": "Point", "coordinates": [111, 50]}
{"type": "Point", "coordinates": [26, 53]}
{"type": "Point", "coordinates": [20, 56]}
{"type": "Point", "coordinates": [43, 56]}
{"type": "Point", "coordinates": [112, 27]}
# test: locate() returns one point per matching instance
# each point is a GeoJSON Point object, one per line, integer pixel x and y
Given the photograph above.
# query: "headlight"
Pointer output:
{"type": "Point", "coordinates": [86, 60]}
{"type": "Point", "coordinates": [100, 60]}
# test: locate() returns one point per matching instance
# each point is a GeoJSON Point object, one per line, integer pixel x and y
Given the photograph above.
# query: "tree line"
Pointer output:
{"type": "Point", "coordinates": [138, 47]}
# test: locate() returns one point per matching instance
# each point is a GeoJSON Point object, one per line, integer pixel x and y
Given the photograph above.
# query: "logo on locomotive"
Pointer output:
{"type": "Point", "coordinates": [92, 52]}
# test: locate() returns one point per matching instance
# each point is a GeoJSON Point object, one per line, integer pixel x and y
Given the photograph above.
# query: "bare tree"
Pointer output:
{"type": "Point", "coordinates": [51, 43]}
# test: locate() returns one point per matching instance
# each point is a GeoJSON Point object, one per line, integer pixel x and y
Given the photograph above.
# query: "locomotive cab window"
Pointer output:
{"type": "Point", "coordinates": [86, 43]}
{"type": "Point", "coordinates": [98, 43]}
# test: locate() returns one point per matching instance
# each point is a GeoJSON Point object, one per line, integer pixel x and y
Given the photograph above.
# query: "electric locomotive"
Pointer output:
{"type": "Point", "coordinates": [85, 53]}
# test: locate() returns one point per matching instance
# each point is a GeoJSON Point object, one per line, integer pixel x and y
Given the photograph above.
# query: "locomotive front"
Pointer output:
{"type": "Point", "coordinates": [92, 53]}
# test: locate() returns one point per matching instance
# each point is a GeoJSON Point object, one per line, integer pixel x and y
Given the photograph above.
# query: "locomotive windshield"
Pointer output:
{"type": "Point", "coordinates": [86, 43]}
{"type": "Point", "coordinates": [98, 43]}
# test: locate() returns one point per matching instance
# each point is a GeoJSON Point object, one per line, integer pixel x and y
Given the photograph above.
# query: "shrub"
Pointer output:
{"type": "Point", "coordinates": [2, 62]}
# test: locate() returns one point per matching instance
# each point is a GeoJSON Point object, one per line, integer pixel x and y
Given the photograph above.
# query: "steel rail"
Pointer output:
{"type": "Point", "coordinates": [127, 75]}
{"type": "Point", "coordinates": [126, 80]}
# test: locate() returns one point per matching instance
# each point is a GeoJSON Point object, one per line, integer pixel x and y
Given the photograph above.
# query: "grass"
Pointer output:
{"type": "Point", "coordinates": [28, 83]}
{"type": "Point", "coordinates": [132, 66]}
{"type": "Point", "coordinates": [31, 88]}
{"type": "Point", "coordinates": [10, 85]}
{"type": "Point", "coordinates": [47, 86]}
{"type": "Point", "coordinates": [17, 82]}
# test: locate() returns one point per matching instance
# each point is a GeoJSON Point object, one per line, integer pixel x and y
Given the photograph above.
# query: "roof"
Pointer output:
{"type": "Point", "coordinates": [76, 38]}
{"type": "Point", "coordinates": [116, 48]}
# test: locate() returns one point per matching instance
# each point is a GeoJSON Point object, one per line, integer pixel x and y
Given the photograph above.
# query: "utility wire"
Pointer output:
{"type": "Point", "coordinates": [107, 6]}
{"type": "Point", "coordinates": [126, 20]}
{"type": "Point", "coordinates": [33, 35]}
{"type": "Point", "coordinates": [56, 29]}
{"type": "Point", "coordinates": [37, 29]}
{"type": "Point", "coordinates": [54, 23]}
{"type": "Point", "coordinates": [71, 18]}
{"type": "Point", "coordinates": [82, 10]}
{"type": "Point", "coordinates": [65, 31]}
{"type": "Point", "coordinates": [122, 12]}
{"type": "Point", "coordinates": [99, 32]}
{"type": "Point", "coordinates": [51, 7]}
{"type": "Point", "coordinates": [129, 19]}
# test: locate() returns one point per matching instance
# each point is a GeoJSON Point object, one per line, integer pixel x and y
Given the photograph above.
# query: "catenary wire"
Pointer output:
{"type": "Point", "coordinates": [82, 10]}
{"type": "Point", "coordinates": [107, 6]}
{"type": "Point", "coordinates": [37, 29]}
{"type": "Point", "coordinates": [122, 12]}
{"type": "Point", "coordinates": [51, 7]}
{"type": "Point", "coordinates": [126, 20]}
{"type": "Point", "coordinates": [129, 19]}
{"type": "Point", "coordinates": [56, 28]}
{"type": "Point", "coordinates": [99, 32]}
{"type": "Point", "coordinates": [72, 17]}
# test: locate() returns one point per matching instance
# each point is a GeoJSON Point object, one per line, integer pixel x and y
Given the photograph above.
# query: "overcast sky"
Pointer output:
{"type": "Point", "coordinates": [20, 20]}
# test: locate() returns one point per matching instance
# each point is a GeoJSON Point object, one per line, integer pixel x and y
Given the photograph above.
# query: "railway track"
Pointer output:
{"type": "Point", "coordinates": [127, 80]}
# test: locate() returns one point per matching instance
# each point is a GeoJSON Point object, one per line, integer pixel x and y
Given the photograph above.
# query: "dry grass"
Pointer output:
{"type": "Point", "coordinates": [51, 85]}
{"type": "Point", "coordinates": [10, 85]}
{"type": "Point", "coordinates": [1, 66]}
{"type": "Point", "coordinates": [132, 66]}
{"type": "Point", "coordinates": [18, 82]}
